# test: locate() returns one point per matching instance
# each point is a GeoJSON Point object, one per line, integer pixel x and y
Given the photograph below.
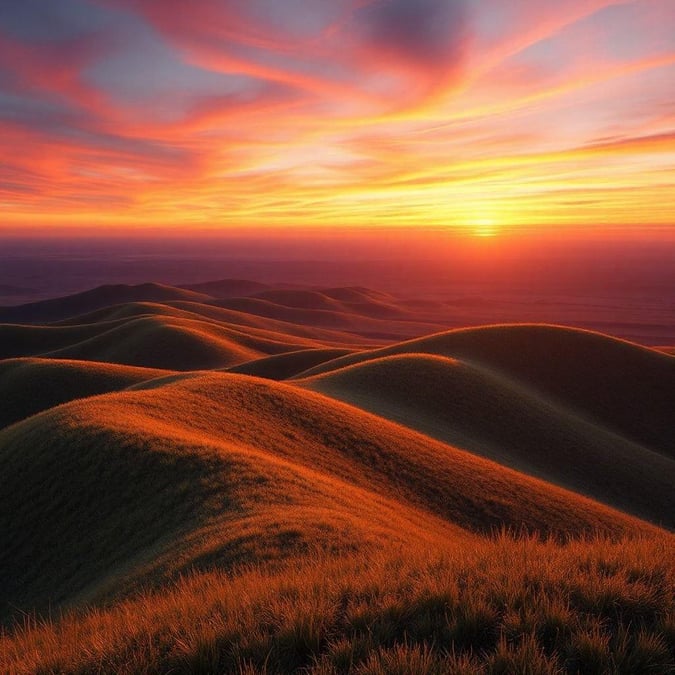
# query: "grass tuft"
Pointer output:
{"type": "Point", "coordinates": [504, 606]}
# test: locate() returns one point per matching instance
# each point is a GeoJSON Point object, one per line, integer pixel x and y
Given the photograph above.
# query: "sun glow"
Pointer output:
{"type": "Point", "coordinates": [485, 227]}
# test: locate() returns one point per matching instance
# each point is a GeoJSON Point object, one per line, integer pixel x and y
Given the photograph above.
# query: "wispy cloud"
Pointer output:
{"type": "Point", "coordinates": [337, 111]}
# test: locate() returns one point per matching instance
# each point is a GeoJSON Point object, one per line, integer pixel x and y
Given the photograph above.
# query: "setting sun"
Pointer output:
{"type": "Point", "coordinates": [485, 227]}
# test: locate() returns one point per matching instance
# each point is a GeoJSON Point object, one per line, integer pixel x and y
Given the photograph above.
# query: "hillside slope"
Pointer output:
{"type": "Point", "coordinates": [217, 469]}
{"type": "Point", "coordinates": [228, 288]}
{"type": "Point", "coordinates": [284, 366]}
{"type": "Point", "coordinates": [620, 385]}
{"type": "Point", "coordinates": [335, 317]}
{"type": "Point", "coordinates": [494, 416]}
{"type": "Point", "coordinates": [151, 336]}
{"type": "Point", "coordinates": [55, 309]}
{"type": "Point", "coordinates": [30, 385]}
{"type": "Point", "coordinates": [161, 342]}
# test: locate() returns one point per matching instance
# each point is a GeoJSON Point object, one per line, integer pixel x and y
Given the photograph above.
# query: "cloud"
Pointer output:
{"type": "Point", "coordinates": [430, 33]}
{"type": "Point", "coordinates": [382, 55]}
{"type": "Point", "coordinates": [267, 107]}
{"type": "Point", "coordinates": [39, 21]}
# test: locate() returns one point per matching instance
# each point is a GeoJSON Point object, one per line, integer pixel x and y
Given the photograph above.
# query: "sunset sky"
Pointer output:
{"type": "Point", "coordinates": [480, 116]}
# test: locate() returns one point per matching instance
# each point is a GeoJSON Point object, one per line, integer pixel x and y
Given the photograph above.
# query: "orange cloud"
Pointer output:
{"type": "Point", "coordinates": [340, 112]}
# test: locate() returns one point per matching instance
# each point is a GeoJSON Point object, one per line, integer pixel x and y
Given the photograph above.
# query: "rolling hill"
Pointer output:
{"type": "Point", "coordinates": [239, 477]}
{"type": "Point", "coordinates": [157, 481]}
{"type": "Point", "coordinates": [338, 318]}
{"type": "Point", "coordinates": [162, 342]}
{"type": "Point", "coordinates": [46, 311]}
{"type": "Point", "coordinates": [284, 366]}
{"type": "Point", "coordinates": [228, 288]}
{"type": "Point", "coordinates": [29, 386]}
{"type": "Point", "coordinates": [621, 385]}
{"type": "Point", "coordinates": [497, 418]}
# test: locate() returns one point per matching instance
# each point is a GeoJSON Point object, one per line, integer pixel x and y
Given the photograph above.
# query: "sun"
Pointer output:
{"type": "Point", "coordinates": [484, 227]}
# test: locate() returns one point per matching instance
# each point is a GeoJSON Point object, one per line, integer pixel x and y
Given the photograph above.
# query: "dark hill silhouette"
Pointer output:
{"type": "Point", "coordinates": [228, 288]}
{"type": "Point", "coordinates": [621, 385]}
{"type": "Point", "coordinates": [474, 408]}
{"type": "Point", "coordinates": [301, 299]}
{"type": "Point", "coordinates": [27, 340]}
{"type": "Point", "coordinates": [283, 366]}
{"type": "Point", "coordinates": [343, 300]}
{"type": "Point", "coordinates": [46, 311]}
{"type": "Point", "coordinates": [357, 294]}
{"type": "Point", "coordinates": [347, 319]}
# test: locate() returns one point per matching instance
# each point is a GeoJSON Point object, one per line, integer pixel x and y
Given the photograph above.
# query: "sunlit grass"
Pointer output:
{"type": "Point", "coordinates": [497, 606]}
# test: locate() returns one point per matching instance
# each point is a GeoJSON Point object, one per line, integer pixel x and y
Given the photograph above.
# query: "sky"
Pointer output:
{"type": "Point", "coordinates": [472, 116]}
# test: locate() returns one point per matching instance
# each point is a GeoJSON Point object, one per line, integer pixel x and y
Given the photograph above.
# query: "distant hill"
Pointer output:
{"type": "Point", "coordinates": [228, 288]}
{"type": "Point", "coordinates": [184, 344]}
{"type": "Point", "coordinates": [56, 309]}
{"type": "Point", "coordinates": [345, 300]}
{"type": "Point", "coordinates": [325, 312]}
{"type": "Point", "coordinates": [284, 366]}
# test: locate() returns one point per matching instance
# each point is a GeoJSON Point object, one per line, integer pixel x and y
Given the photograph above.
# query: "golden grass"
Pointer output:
{"type": "Point", "coordinates": [120, 489]}
{"type": "Point", "coordinates": [495, 606]}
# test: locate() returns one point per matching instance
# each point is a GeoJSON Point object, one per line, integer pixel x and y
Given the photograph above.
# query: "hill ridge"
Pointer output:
{"type": "Point", "coordinates": [489, 414]}
{"type": "Point", "coordinates": [181, 455]}
{"type": "Point", "coordinates": [584, 370]}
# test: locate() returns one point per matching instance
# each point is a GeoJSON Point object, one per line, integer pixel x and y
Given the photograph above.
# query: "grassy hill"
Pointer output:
{"type": "Point", "coordinates": [55, 309]}
{"type": "Point", "coordinates": [160, 342]}
{"type": "Point", "coordinates": [335, 316]}
{"type": "Point", "coordinates": [29, 386]}
{"type": "Point", "coordinates": [621, 385]}
{"type": "Point", "coordinates": [228, 288]}
{"type": "Point", "coordinates": [257, 485]}
{"type": "Point", "coordinates": [161, 338]}
{"type": "Point", "coordinates": [284, 366]}
{"type": "Point", "coordinates": [491, 415]}
{"type": "Point", "coordinates": [116, 484]}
